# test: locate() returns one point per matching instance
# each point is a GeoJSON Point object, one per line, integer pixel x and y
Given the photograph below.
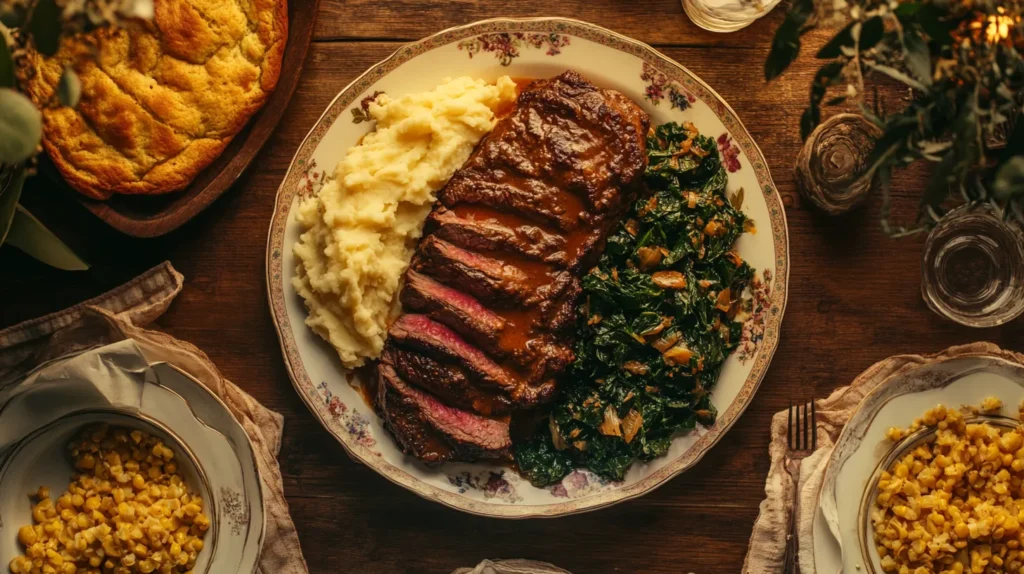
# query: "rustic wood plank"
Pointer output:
{"type": "Point", "coordinates": [652, 21]}
{"type": "Point", "coordinates": [369, 536]}
{"type": "Point", "coordinates": [854, 299]}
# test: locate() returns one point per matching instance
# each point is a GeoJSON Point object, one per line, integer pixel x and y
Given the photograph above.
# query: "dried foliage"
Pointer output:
{"type": "Point", "coordinates": [961, 61]}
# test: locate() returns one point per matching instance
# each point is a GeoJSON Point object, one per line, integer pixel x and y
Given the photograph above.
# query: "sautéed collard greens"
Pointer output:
{"type": "Point", "coordinates": [661, 314]}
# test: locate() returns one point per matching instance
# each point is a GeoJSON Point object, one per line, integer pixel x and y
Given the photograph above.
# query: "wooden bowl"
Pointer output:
{"type": "Point", "coordinates": [155, 215]}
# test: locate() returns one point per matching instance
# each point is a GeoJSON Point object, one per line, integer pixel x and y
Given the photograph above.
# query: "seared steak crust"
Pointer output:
{"type": "Point", "coordinates": [491, 292]}
{"type": "Point", "coordinates": [490, 235]}
{"type": "Point", "coordinates": [433, 431]}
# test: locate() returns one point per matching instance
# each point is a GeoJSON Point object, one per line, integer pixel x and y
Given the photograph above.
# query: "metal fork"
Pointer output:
{"type": "Point", "coordinates": [802, 441]}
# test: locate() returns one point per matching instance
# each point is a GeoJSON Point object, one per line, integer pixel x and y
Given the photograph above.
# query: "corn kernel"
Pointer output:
{"type": "Point", "coordinates": [954, 505]}
{"type": "Point", "coordinates": [152, 523]}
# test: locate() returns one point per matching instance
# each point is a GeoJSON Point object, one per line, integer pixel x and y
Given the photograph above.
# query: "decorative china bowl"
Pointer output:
{"type": "Point", "coordinates": [213, 452]}
{"type": "Point", "coordinates": [843, 537]}
{"type": "Point", "coordinates": [526, 48]}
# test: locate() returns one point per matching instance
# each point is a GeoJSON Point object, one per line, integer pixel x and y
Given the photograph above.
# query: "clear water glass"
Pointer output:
{"type": "Point", "coordinates": [973, 269]}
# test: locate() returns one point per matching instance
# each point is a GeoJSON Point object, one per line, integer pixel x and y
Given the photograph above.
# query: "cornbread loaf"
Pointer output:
{"type": "Point", "coordinates": [159, 102]}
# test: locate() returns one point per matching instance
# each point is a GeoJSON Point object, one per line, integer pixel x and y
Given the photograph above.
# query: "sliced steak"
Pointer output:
{"type": "Point", "coordinates": [566, 135]}
{"type": "Point", "coordinates": [529, 199]}
{"type": "Point", "coordinates": [482, 276]}
{"type": "Point", "coordinates": [462, 312]}
{"type": "Point", "coordinates": [496, 232]}
{"type": "Point", "coordinates": [421, 333]}
{"type": "Point", "coordinates": [433, 431]}
{"type": "Point", "coordinates": [495, 281]}
{"type": "Point", "coordinates": [449, 381]}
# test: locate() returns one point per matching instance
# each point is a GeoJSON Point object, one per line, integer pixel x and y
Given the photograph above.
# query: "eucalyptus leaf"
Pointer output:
{"type": "Point", "coordinates": [935, 22]}
{"type": "Point", "coordinates": [21, 127]}
{"type": "Point", "coordinates": [69, 88]}
{"type": "Point", "coordinates": [6, 65]}
{"type": "Point", "coordinates": [938, 184]}
{"type": "Point", "coordinates": [45, 26]}
{"type": "Point", "coordinates": [786, 42]}
{"type": "Point", "coordinates": [907, 10]}
{"type": "Point", "coordinates": [29, 235]}
{"type": "Point", "coordinates": [871, 31]}
{"type": "Point", "coordinates": [870, 115]}
{"type": "Point", "coordinates": [835, 101]}
{"type": "Point", "coordinates": [809, 120]}
{"type": "Point", "coordinates": [9, 197]}
{"type": "Point", "coordinates": [826, 76]}
{"type": "Point", "coordinates": [897, 75]}
{"type": "Point", "coordinates": [1009, 181]}
{"type": "Point", "coordinates": [917, 57]}
{"type": "Point", "coordinates": [874, 30]}
{"type": "Point", "coordinates": [1014, 142]}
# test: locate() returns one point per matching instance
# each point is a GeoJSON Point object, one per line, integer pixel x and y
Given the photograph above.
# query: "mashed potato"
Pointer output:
{"type": "Point", "coordinates": [362, 227]}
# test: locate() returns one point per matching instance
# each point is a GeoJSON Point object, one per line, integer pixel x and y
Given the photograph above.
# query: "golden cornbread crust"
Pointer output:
{"type": "Point", "coordinates": [160, 103]}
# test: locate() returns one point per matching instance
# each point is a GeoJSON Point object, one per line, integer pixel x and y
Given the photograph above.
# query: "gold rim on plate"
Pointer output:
{"type": "Point", "coordinates": [586, 31]}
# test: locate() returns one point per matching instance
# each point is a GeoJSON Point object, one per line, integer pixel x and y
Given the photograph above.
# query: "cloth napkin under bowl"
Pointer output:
{"type": "Point", "coordinates": [767, 548]}
{"type": "Point", "coordinates": [122, 314]}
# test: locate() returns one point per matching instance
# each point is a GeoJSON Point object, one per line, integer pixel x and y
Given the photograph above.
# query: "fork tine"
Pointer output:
{"type": "Point", "coordinates": [799, 427]}
{"type": "Point", "coordinates": [814, 427]}
{"type": "Point", "coordinates": [790, 428]}
{"type": "Point", "coordinates": [807, 428]}
{"type": "Point", "coordinates": [800, 418]}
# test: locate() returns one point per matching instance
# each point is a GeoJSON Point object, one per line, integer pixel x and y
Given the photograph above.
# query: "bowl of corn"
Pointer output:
{"type": "Point", "coordinates": [948, 496]}
{"type": "Point", "coordinates": [105, 492]}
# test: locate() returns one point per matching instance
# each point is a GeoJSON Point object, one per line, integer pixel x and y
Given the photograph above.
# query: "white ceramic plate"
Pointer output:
{"type": "Point", "coordinates": [862, 444]}
{"type": "Point", "coordinates": [532, 48]}
{"type": "Point", "coordinates": [214, 453]}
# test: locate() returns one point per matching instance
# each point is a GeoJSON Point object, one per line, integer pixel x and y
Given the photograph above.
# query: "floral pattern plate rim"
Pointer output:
{"type": "Point", "coordinates": [524, 48]}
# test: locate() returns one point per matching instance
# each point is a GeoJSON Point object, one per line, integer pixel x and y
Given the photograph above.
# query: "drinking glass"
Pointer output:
{"type": "Point", "coordinates": [973, 269]}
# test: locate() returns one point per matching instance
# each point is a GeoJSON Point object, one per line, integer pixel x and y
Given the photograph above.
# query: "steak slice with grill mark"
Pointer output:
{"type": "Point", "coordinates": [448, 381]}
{"type": "Point", "coordinates": [469, 318]}
{"type": "Point", "coordinates": [491, 234]}
{"type": "Point", "coordinates": [566, 135]}
{"type": "Point", "coordinates": [456, 309]}
{"type": "Point", "coordinates": [428, 336]}
{"type": "Point", "coordinates": [433, 431]}
{"type": "Point", "coordinates": [482, 276]}
{"type": "Point", "coordinates": [541, 203]}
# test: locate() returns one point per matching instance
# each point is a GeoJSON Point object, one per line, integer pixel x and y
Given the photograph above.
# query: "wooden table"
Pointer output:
{"type": "Point", "coordinates": [854, 299]}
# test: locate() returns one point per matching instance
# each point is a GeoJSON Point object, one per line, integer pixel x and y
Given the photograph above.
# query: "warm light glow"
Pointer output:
{"type": "Point", "coordinates": [998, 28]}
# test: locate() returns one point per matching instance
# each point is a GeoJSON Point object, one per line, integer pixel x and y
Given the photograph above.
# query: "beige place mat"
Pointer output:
{"type": "Point", "coordinates": [767, 548]}
{"type": "Point", "coordinates": [122, 314]}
